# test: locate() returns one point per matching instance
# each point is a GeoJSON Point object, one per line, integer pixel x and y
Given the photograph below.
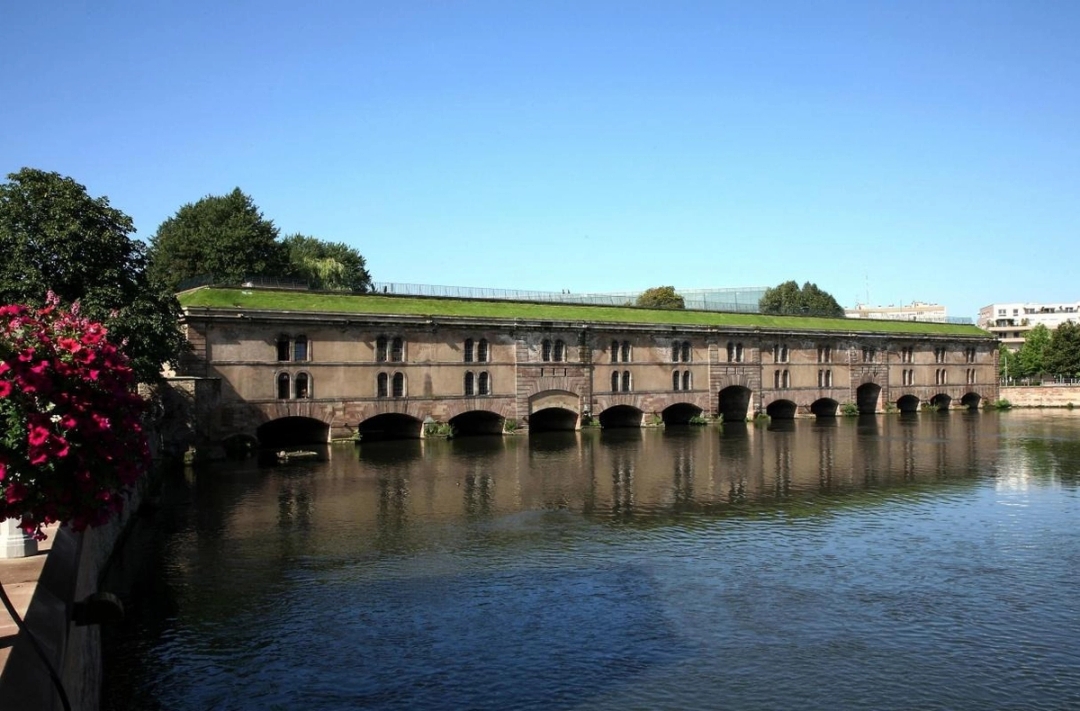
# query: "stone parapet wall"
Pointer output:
{"type": "Point", "coordinates": [1042, 395]}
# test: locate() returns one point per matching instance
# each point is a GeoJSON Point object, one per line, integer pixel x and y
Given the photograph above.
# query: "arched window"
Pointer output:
{"type": "Point", "coordinates": [300, 351]}
{"type": "Point", "coordinates": [787, 379]}
{"type": "Point", "coordinates": [397, 350]}
{"type": "Point", "coordinates": [545, 350]}
{"type": "Point", "coordinates": [675, 382]}
{"type": "Point", "coordinates": [687, 380]}
{"type": "Point", "coordinates": [382, 382]}
{"type": "Point", "coordinates": [303, 386]}
{"type": "Point", "coordinates": [283, 386]}
{"type": "Point", "coordinates": [614, 381]}
{"type": "Point", "coordinates": [469, 382]}
{"type": "Point", "coordinates": [560, 352]}
{"type": "Point", "coordinates": [776, 380]}
{"type": "Point", "coordinates": [738, 353]}
{"type": "Point", "coordinates": [614, 351]}
{"type": "Point", "coordinates": [676, 351]}
{"type": "Point", "coordinates": [380, 349]}
{"type": "Point", "coordinates": [626, 351]}
{"type": "Point", "coordinates": [485, 383]}
{"type": "Point", "coordinates": [283, 348]}
{"type": "Point", "coordinates": [468, 350]}
{"type": "Point", "coordinates": [482, 350]}
{"type": "Point", "coordinates": [686, 351]}
{"type": "Point", "coordinates": [730, 352]}
{"type": "Point", "coordinates": [626, 381]}
{"type": "Point", "coordinates": [399, 385]}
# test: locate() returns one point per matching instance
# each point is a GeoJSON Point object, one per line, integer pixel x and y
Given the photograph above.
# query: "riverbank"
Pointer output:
{"type": "Point", "coordinates": [1042, 395]}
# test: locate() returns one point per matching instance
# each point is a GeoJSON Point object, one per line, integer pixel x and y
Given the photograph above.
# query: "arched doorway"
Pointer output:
{"type": "Point", "coordinates": [781, 410]}
{"type": "Point", "coordinates": [477, 422]}
{"type": "Point", "coordinates": [391, 425]}
{"type": "Point", "coordinates": [734, 403]}
{"type": "Point", "coordinates": [908, 403]}
{"type": "Point", "coordinates": [292, 431]}
{"type": "Point", "coordinates": [824, 407]}
{"type": "Point", "coordinates": [866, 398]}
{"type": "Point", "coordinates": [553, 419]}
{"type": "Point", "coordinates": [941, 402]}
{"type": "Point", "coordinates": [680, 413]}
{"type": "Point", "coordinates": [971, 401]}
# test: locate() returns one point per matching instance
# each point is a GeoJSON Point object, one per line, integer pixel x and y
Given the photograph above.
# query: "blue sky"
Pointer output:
{"type": "Point", "coordinates": [890, 150]}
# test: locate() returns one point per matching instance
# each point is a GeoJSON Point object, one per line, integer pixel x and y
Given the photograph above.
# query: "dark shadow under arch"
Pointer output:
{"type": "Point", "coordinates": [971, 400]}
{"type": "Point", "coordinates": [734, 403]}
{"type": "Point", "coordinates": [391, 425]}
{"type": "Point", "coordinates": [240, 446]}
{"type": "Point", "coordinates": [781, 410]}
{"type": "Point", "coordinates": [680, 413]}
{"type": "Point", "coordinates": [824, 407]}
{"type": "Point", "coordinates": [287, 432]}
{"type": "Point", "coordinates": [621, 416]}
{"type": "Point", "coordinates": [866, 398]}
{"type": "Point", "coordinates": [941, 401]}
{"type": "Point", "coordinates": [553, 419]}
{"type": "Point", "coordinates": [477, 422]}
{"type": "Point", "coordinates": [908, 403]}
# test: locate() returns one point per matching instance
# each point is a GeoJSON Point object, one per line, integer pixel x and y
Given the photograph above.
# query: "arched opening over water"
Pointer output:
{"type": "Point", "coordinates": [553, 419]}
{"type": "Point", "coordinates": [680, 413]}
{"type": "Point", "coordinates": [621, 416]}
{"type": "Point", "coordinates": [867, 398]}
{"type": "Point", "coordinates": [391, 425]}
{"type": "Point", "coordinates": [240, 446]}
{"type": "Point", "coordinates": [908, 403]}
{"type": "Point", "coordinates": [781, 410]}
{"type": "Point", "coordinates": [477, 422]}
{"type": "Point", "coordinates": [292, 431]}
{"type": "Point", "coordinates": [971, 401]}
{"type": "Point", "coordinates": [824, 407]}
{"type": "Point", "coordinates": [734, 403]}
{"type": "Point", "coordinates": [941, 402]}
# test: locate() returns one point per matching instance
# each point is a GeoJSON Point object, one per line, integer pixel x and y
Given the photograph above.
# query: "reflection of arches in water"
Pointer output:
{"type": "Point", "coordinates": [782, 460]}
{"type": "Point", "coordinates": [971, 401]}
{"type": "Point", "coordinates": [621, 416]}
{"type": "Point", "coordinates": [781, 426]}
{"type": "Point", "coordinates": [781, 410]}
{"type": "Point", "coordinates": [734, 403]}
{"type": "Point", "coordinates": [389, 453]}
{"type": "Point", "coordinates": [680, 413]}
{"type": "Point", "coordinates": [393, 512]}
{"type": "Point", "coordinates": [735, 457]}
{"type": "Point", "coordinates": [867, 398]}
{"type": "Point", "coordinates": [941, 402]}
{"type": "Point", "coordinates": [826, 455]}
{"type": "Point", "coordinates": [477, 448]}
{"type": "Point", "coordinates": [908, 403]}
{"type": "Point", "coordinates": [622, 489]}
{"type": "Point", "coordinates": [553, 419]}
{"type": "Point", "coordinates": [389, 426]}
{"type": "Point", "coordinates": [292, 431]}
{"type": "Point", "coordinates": [824, 407]}
{"type": "Point", "coordinates": [295, 504]}
{"type": "Point", "coordinates": [868, 446]}
{"type": "Point", "coordinates": [478, 492]}
{"type": "Point", "coordinates": [908, 438]}
{"type": "Point", "coordinates": [553, 442]}
{"type": "Point", "coordinates": [683, 484]}
{"type": "Point", "coordinates": [477, 422]}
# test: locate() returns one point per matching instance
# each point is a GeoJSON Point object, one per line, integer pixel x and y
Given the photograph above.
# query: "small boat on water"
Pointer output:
{"type": "Point", "coordinates": [296, 454]}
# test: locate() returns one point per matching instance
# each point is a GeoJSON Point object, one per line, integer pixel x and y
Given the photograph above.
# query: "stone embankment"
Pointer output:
{"type": "Point", "coordinates": [1042, 395]}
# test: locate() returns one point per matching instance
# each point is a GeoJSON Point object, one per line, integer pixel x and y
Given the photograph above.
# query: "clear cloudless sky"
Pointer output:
{"type": "Point", "coordinates": [887, 151]}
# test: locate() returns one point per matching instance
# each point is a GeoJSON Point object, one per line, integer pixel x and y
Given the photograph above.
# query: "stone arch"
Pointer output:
{"type": "Point", "coordinates": [971, 400]}
{"type": "Point", "coordinates": [621, 416]}
{"type": "Point", "coordinates": [733, 403]}
{"type": "Point", "coordinates": [941, 401]}
{"type": "Point", "coordinates": [560, 399]}
{"type": "Point", "coordinates": [477, 422]}
{"type": "Point", "coordinates": [292, 431]}
{"type": "Point", "coordinates": [390, 425]}
{"type": "Point", "coordinates": [680, 413]}
{"type": "Point", "coordinates": [908, 403]}
{"type": "Point", "coordinates": [781, 410]}
{"type": "Point", "coordinates": [866, 398]}
{"type": "Point", "coordinates": [824, 407]}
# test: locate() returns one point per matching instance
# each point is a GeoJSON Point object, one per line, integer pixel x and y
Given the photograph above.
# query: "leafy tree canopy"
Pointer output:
{"type": "Point", "coordinates": [1031, 360]}
{"type": "Point", "coordinates": [1007, 364]}
{"type": "Point", "coordinates": [661, 297]}
{"type": "Point", "coordinates": [54, 236]}
{"type": "Point", "coordinates": [226, 236]}
{"type": "Point", "coordinates": [1063, 351]}
{"type": "Point", "coordinates": [332, 266]}
{"type": "Point", "coordinates": [788, 299]}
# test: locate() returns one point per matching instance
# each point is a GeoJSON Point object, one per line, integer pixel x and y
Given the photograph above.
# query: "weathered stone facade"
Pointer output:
{"type": "Point", "coordinates": [350, 373]}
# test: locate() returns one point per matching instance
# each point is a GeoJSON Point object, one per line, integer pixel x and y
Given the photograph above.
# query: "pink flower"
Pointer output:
{"type": "Point", "coordinates": [5, 388]}
{"type": "Point", "coordinates": [38, 435]}
{"type": "Point", "coordinates": [15, 492]}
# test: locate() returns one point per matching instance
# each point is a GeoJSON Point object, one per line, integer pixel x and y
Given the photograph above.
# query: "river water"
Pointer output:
{"type": "Point", "coordinates": [883, 562]}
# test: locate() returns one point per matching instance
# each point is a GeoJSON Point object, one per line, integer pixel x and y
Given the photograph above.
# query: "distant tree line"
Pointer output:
{"type": "Point", "coordinates": [1044, 353]}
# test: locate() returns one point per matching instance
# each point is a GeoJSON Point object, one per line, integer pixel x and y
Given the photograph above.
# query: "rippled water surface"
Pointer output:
{"type": "Point", "coordinates": [871, 563]}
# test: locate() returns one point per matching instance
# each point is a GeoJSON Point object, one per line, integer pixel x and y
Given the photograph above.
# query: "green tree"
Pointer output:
{"type": "Point", "coordinates": [225, 236]}
{"type": "Point", "coordinates": [1007, 365]}
{"type": "Point", "coordinates": [1063, 351]}
{"type": "Point", "coordinates": [1031, 360]}
{"type": "Point", "coordinates": [333, 266]}
{"type": "Point", "coordinates": [660, 297]}
{"type": "Point", "coordinates": [54, 236]}
{"type": "Point", "coordinates": [788, 299]}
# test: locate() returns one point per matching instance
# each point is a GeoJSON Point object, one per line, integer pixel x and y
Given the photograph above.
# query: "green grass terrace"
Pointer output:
{"type": "Point", "coordinates": [254, 299]}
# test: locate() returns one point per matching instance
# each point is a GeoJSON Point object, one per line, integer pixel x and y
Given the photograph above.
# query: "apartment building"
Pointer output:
{"type": "Point", "coordinates": [1012, 321]}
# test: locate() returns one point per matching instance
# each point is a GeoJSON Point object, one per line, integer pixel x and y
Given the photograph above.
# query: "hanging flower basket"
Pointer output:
{"type": "Point", "coordinates": [71, 440]}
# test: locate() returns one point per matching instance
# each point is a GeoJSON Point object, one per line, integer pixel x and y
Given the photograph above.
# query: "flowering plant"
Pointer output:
{"type": "Point", "coordinates": [71, 442]}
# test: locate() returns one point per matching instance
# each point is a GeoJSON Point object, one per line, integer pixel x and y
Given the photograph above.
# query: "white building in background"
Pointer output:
{"type": "Point", "coordinates": [915, 311]}
{"type": "Point", "coordinates": [1011, 322]}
